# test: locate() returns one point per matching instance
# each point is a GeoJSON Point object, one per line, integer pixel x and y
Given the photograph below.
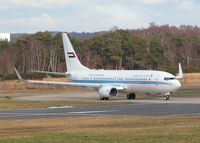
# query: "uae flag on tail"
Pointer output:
{"type": "Point", "coordinates": [71, 54]}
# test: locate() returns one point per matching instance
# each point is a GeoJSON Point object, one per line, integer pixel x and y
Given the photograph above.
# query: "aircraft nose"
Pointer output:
{"type": "Point", "coordinates": [175, 85]}
{"type": "Point", "coordinates": [178, 85]}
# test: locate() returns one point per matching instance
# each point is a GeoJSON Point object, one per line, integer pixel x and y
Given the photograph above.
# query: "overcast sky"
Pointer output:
{"type": "Point", "coordinates": [94, 15]}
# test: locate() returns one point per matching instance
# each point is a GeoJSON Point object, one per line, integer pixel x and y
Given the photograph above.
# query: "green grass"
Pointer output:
{"type": "Point", "coordinates": [101, 138]}
{"type": "Point", "coordinates": [107, 138]}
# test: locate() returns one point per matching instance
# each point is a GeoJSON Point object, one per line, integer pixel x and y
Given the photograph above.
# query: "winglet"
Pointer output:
{"type": "Point", "coordinates": [180, 74]}
{"type": "Point", "coordinates": [18, 75]}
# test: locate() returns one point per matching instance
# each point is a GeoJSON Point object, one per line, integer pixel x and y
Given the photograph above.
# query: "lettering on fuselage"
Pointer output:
{"type": "Point", "coordinates": [103, 77]}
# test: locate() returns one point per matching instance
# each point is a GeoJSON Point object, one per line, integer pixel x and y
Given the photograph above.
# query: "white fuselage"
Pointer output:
{"type": "Point", "coordinates": [146, 81]}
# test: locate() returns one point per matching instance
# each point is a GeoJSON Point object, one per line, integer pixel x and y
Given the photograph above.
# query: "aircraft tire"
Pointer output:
{"type": "Point", "coordinates": [167, 97]}
{"type": "Point", "coordinates": [104, 98]}
{"type": "Point", "coordinates": [131, 96]}
{"type": "Point", "coordinates": [101, 98]}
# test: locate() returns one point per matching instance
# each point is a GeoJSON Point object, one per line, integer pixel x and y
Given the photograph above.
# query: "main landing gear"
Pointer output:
{"type": "Point", "coordinates": [104, 98]}
{"type": "Point", "coordinates": [131, 96]}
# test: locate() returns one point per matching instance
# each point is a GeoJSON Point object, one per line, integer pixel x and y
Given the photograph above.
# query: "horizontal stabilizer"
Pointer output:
{"type": "Point", "coordinates": [47, 72]}
{"type": "Point", "coordinates": [66, 83]}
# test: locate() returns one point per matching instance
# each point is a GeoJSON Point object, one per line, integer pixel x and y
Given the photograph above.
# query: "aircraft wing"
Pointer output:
{"type": "Point", "coordinates": [65, 83]}
{"type": "Point", "coordinates": [118, 87]}
{"type": "Point", "coordinates": [58, 83]}
{"type": "Point", "coordinates": [96, 85]}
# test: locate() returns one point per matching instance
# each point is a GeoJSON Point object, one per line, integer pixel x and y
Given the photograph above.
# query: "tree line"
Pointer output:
{"type": "Point", "coordinates": [156, 48]}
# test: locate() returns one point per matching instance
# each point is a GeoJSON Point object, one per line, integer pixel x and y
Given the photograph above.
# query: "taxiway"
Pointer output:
{"type": "Point", "coordinates": [142, 106]}
{"type": "Point", "coordinates": [137, 109]}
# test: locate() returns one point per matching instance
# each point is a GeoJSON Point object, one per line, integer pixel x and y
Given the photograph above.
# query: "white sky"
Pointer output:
{"type": "Point", "coordinates": [94, 15]}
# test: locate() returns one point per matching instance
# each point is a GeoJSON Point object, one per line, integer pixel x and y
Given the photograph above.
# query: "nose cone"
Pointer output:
{"type": "Point", "coordinates": [176, 85]}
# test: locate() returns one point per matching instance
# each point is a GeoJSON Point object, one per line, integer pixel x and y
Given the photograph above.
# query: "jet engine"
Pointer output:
{"type": "Point", "coordinates": [107, 91]}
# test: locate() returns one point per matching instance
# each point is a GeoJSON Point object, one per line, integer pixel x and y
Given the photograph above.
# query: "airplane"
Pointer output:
{"type": "Point", "coordinates": [109, 83]}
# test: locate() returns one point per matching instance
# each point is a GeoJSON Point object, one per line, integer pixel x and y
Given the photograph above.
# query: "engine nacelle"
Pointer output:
{"type": "Point", "coordinates": [107, 91]}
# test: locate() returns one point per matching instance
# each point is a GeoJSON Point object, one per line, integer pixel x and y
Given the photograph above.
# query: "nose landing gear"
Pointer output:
{"type": "Point", "coordinates": [167, 97]}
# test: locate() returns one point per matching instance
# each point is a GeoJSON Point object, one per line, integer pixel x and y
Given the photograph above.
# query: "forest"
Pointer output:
{"type": "Point", "coordinates": [156, 48]}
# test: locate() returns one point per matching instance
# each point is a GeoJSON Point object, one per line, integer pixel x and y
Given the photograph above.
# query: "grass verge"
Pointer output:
{"type": "Point", "coordinates": [192, 91]}
{"type": "Point", "coordinates": [12, 104]}
{"type": "Point", "coordinates": [121, 129]}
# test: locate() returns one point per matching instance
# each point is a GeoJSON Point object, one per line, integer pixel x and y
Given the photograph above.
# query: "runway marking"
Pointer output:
{"type": "Point", "coordinates": [185, 114]}
{"type": "Point", "coordinates": [60, 107]}
{"type": "Point", "coordinates": [88, 112]}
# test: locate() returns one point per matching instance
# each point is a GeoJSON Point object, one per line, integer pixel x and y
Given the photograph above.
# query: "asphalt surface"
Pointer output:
{"type": "Point", "coordinates": [147, 106]}
{"type": "Point", "coordinates": [136, 109]}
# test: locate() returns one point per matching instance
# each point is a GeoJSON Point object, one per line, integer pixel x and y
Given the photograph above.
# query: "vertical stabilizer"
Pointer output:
{"type": "Point", "coordinates": [72, 61]}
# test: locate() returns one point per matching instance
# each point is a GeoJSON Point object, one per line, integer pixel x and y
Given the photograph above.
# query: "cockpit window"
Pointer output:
{"type": "Point", "coordinates": [169, 78]}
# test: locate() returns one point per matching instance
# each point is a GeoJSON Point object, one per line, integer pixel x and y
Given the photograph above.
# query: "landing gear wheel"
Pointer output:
{"type": "Point", "coordinates": [101, 98]}
{"type": "Point", "coordinates": [167, 97]}
{"type": "Point", "coordinates": [131, 96]}
{"type": "Point", "coordinates": [104, 98]}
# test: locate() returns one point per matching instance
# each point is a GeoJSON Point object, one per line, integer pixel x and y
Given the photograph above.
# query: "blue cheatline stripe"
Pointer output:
{"type": "Point", "coordinates": [121, 81]}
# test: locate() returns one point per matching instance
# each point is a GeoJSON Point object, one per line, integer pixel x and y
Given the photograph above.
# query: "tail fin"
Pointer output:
{"type": "Point", "coordinates": [72, 61]}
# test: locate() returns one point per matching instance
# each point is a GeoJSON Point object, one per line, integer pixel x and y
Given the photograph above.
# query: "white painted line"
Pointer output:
{"type": "Point", "coordinates": [185, 114]}
{"type": "Point", "coordinates": [88, 112]}
{"type": "Point", "coordinates": [60, 107]}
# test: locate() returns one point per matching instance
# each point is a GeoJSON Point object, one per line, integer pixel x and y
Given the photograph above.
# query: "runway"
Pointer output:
{"type": "Point", "coordinates": [137, 109]}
